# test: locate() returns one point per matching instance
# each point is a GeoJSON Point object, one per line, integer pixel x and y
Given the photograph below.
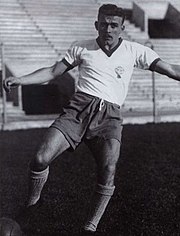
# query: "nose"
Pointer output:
{"type": "Point", "coordinates": [109, 28]}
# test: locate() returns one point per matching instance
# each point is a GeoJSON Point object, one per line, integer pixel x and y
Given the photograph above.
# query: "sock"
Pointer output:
{"type": "Point", "coordinates": [36, 184]}
{"type": "Point", "coordinates": [98, 205]}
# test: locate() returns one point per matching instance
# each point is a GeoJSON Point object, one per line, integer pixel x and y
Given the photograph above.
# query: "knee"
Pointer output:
{"type": "Point", "coordinates": [39, 163]}
{"type": "Point", "coordinates": [110, 166]}
{"type": "Point", "coordinates": [106, 173]}
{"type": "Point", "coordinates": [110, 169]}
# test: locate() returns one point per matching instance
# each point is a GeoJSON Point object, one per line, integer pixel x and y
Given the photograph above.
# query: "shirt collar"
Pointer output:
{"type": "Point", "coordinates": [109, 52]}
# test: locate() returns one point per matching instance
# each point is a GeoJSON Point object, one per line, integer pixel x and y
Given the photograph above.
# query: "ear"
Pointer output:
{"type": "Point", "coordinates": [96, 25]}
{"type": "Point", "coordinates": [122, 27]}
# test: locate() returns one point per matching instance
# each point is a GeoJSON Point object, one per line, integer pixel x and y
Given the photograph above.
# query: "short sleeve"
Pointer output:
{"type": "Point", "coordinates": [144, 56]}
{"type": "Point", "coordinates": [73, 55]}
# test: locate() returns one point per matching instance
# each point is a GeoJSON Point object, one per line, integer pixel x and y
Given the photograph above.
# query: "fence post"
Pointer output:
{"type": "Point", "coordinates": [154, 100]}
{"type": "Point", "coordinates": [4, 110]}
{"type": "Point", "coordinates": [155, 113]}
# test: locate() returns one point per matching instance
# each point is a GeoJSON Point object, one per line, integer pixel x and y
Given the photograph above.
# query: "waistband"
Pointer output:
{"type": "Point", "coordinates": [101, 100]}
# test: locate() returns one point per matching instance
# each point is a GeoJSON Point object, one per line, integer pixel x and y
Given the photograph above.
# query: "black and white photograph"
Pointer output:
{"type": "Point", "coordinates": [89, 118]}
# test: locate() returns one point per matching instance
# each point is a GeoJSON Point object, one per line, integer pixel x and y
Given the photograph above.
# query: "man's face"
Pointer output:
{"type": "Point", "coordinates": [109, 29]}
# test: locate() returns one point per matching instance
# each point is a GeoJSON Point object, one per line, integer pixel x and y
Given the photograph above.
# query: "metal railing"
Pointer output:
{"type": "Point", "coordinates": [154, 99]}
{"type": "Point", "coordinates": [4, 107]}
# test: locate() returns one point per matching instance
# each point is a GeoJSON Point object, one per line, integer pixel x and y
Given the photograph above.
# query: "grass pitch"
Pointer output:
{"type": "Point", "coordinates": [147, 196]}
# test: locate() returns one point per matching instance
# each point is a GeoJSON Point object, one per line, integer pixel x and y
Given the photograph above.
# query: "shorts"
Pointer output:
{"type": "Point", "coordinates": [87, 117]}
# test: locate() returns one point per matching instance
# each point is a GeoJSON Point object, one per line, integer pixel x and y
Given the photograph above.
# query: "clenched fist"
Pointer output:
{"type": "Point", "coordinates": [10, 82]}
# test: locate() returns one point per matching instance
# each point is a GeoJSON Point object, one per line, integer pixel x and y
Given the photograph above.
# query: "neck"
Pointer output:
{"type": "Point", "coordinates": [109, 47]}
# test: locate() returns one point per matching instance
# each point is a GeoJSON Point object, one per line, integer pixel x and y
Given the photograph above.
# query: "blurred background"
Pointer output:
{"type": "Point", "coordinates": [36, 34]}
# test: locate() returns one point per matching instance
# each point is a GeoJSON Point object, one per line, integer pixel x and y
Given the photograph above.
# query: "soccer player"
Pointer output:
{"type": "Point", "coordinates": [93, 114]}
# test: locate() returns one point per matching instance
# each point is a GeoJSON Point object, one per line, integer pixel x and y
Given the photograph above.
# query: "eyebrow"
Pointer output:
{"type": "Point", "coordinates": [109, 23]}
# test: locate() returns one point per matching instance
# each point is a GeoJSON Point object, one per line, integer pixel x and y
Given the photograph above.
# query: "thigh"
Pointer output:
{"type": "Point", "coordinates": [105, 151]}
{"type": "Point", "coordinates": [75, 118]}
{"type": "Point", "coordinates": [52, 145]}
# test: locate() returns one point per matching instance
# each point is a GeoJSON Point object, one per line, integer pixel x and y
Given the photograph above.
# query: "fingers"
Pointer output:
{"type": "Point", "coordinates": [10, 82]}
{"type": "Point", "coordinates": [6, 85]}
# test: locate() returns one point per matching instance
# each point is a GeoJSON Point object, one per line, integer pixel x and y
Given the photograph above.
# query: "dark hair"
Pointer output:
{"type": "Point", "coordinates": [113, 10]}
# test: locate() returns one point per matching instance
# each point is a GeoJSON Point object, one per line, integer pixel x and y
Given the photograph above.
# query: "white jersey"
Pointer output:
{"type": "Point", "coordinates": [107, 74]}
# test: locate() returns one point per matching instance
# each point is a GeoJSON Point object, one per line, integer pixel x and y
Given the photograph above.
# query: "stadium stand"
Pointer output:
{"type": "Point", "coordinates": [37, 33]}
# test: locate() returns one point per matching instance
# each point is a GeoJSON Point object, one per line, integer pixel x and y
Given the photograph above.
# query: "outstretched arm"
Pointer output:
{"type": "Point", "coordinates": [171, 70]}
{"type": "Point", "coordinates": [37, 77]}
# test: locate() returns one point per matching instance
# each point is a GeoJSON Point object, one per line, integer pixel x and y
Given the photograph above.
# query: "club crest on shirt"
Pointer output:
{"type": "Point", "coordinates": [119, 71]}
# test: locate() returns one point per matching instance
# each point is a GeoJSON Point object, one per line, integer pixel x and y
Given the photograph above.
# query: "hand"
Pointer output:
{"type": "Point", "coordinates": [10, 82]}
